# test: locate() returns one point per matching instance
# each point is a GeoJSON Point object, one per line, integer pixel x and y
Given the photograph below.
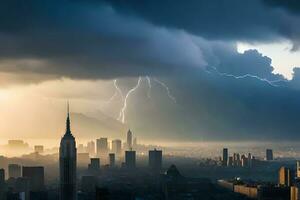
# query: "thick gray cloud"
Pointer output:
{"type": "Point", "coordinates": [79, 40]}
{"type": "Point", "coordinates": [291, 5]}
{"type": "Point", "coordinates": [105, 39]}
{"type": "Point", "coordinates": [250, 20]}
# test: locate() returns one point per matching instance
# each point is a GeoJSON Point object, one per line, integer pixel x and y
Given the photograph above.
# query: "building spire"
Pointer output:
{"type": "Point", "coordinates": [68, 127]}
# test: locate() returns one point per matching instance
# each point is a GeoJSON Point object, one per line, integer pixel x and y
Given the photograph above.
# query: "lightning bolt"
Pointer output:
{"type": "Point", "coordinates": [271, 83]}
{"type": "Point", "coordinates": [167, 89]}
{"type": "Point", "coordinates": [118, 89]}
{"type": "Point", "coordinates": [149, 86]}
{"type": "Point", "coordinates": [123, 109]}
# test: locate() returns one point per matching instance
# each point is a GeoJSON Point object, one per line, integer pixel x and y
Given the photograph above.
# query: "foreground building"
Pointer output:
{"type": "Point", "coordinates": [67, 164]}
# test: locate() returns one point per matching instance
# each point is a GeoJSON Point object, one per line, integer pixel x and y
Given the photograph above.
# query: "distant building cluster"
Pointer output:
{"type": "Point", "coordinates": [238, 160]}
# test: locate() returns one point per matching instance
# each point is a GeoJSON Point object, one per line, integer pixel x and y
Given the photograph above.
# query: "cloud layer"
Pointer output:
{"type": "Point", "coordinates": [192, 46]}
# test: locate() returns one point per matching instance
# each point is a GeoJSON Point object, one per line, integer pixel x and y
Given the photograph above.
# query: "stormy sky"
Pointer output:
{"type": "Point", "coordinates": [210, 70]}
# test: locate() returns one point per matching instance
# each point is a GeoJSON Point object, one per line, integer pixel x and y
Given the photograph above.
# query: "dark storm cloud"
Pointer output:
{"type": "Point", "coordinates": [291, 5]}
{"type": "Point", "coordinates": [104, 39]}
{"type": "Point", "coordinates": [216, 19]}
{"type": "Point", "coordinates": [81, 40]}
{"type": "Point", "coordinates": [176, 40]}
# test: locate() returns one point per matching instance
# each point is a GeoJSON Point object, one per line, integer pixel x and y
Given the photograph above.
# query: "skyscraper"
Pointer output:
{"type": "Point", "coordinates": [298, 170]}
{"type": "Point", "coordinates": [2, 185]}
{"type": "Point", "coordinates": [112, 159]}
{"type": "Point", "coordinates": [285, 177]}
{"type": "Point", "coordinates": [155, 160]}
{"type": "Point", "coordinates": [249, 160]}
{"type": "Point", "coordinates": [102, 147]}
{"type": "Point", "coordinates": [129, 140]}
{"type": "Point", "coordinates": [130, 159]}
{"type": "Point", "coordinates": [2, 177]}
{"type": "Point", "coordinates": [117, 147]}
{"type": "Point", "coordinates": [225, 157]}
{"type": "Point", "coordinates": [36, 177]}
{"type": "Point", "coordinates": [67, 164]}
{"type": "Point", "coordinates": [14, 171]}
{"type": "Point", "coordinates": [95, 164]}
{"type": "Point", "coordinates": [269, 154]}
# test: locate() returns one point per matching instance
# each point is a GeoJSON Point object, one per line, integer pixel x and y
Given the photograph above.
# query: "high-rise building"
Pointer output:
{"type": "Point", "coordinates": [112, 159]}
{"type": "Point", "coordinates": [36, 177]}
{"type": "Point", "coordinates": [285, 177]}
{"type": "Point", "coordinates": [249, 160]}
{"type": "Point", "coordinates": [244, 161]}
{"type": "Point", "coordinates": [129, 140]}
{"type": "Point", "coordinates": [2, 185]}
{"type": "Point", "coordinates": [2, 176]}
{"type": "Point", "coordinates": [269, 154]}
{"type": "Point", "coordinates": [155, 159]}
{"type": "Point", "coordinates": [298, 170]}
{"type": "Point", "coordinates": [91, 148]}
{"type": "Point", "coordinates": [102, 147]}
{"type": "Point", "coordinates": [22, 186]}
{"type": "Point", "coordinates": [14, 171]}
{"type": "Point", "coordinates": [67, 164]}
{"type": "Point", "coordinates": [295, 192]}
{"type": "Point", "coordinates": [130, 159]}
{"type": "Point", "coordinates": [95, 164]}
{"type": "Point", "coordinates": [225, 157]}
{"type": "Point", "coordinates": [230, 161]}
{"type": "Point", "coordinates": [39, 149]}
{"type": "Point", "coordinates": [117, 147]}
{"type": "Point", "coordinates": [236, 160]}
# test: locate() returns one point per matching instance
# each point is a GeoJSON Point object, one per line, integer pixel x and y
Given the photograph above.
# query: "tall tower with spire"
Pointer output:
{"type": "Point", "coordinates": [67, 164]}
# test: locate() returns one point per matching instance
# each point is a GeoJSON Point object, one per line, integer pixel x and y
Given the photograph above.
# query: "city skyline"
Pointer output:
{"type": "Point", "coordinates": [149, 100]}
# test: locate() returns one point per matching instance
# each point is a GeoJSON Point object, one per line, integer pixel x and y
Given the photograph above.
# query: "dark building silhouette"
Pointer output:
{"type": "Point", "coordinates": [130, 159]}
{"type": "Point", "coordinates": [155, 159]}
{"type": "Point", "coordinates": [102, 194]}
{"type": "Point", "coordinates": [2, 184]}
{"type": "Point", "coordinates": [95, 164]}
{"type": "Point", "coordinates": [225, 157]}
{"type": "Point", "coordinates": [2, 176]}
{"type": "Point", "coordinates": [269, 154]}
{"type": "Point", "coordinates": [67, 164]}
{"type": "Point", "coordinates": [14, 171]}
{"type": "Point", "coordinates": [112, 159]}
{"type": "Point", "coordinates": [36, 177]}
